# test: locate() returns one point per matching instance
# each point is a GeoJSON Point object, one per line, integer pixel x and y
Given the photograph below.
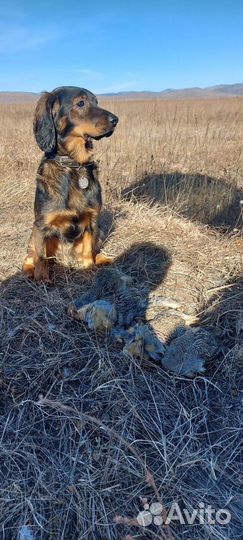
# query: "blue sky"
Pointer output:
{"type": "Point", "coordinates": [119, 45]}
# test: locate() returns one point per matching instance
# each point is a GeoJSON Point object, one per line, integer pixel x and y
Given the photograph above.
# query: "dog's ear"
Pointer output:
{"type": "Point", "coordinates": [44, 127]}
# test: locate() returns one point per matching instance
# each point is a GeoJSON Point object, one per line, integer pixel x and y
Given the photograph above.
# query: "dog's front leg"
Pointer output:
{"type": "Point", "coordinates": [35, 263]}
{"type": "Point", "coordinates": [84, 247]}
{"type": "Point", "coordinates": [83, 250]}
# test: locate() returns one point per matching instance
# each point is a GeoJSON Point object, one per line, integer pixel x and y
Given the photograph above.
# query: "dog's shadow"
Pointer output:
{"type": "Point", "coordinates": [201, 198]}
{"type": "Point", "coordinates": [36, 330]}
{"type": "Point", "coordinates": [37, 334]}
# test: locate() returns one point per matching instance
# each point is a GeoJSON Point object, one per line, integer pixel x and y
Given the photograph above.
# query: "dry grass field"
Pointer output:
{"type": "Point", "coordinates": [87, 432]}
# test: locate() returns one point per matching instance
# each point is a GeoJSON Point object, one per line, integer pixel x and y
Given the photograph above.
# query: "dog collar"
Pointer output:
{"type": "Point", "coordinates": [67, 162]}
{"type": "Point", "coordinates": [83, 180]}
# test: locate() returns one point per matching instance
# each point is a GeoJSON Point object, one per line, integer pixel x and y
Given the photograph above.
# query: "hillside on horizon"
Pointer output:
{"type": "Point", "coordinates": [210, 92]}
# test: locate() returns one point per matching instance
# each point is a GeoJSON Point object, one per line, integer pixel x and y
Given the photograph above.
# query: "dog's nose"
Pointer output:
{"type": "Point", "coordinates": [113, 119]}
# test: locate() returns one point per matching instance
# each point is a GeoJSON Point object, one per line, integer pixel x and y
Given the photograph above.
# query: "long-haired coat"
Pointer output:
{"type": "Point", "coordinates": [68, 193]}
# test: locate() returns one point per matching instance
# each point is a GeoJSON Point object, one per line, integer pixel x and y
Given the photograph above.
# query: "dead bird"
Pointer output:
{"type": "Point", "coordinates": [99, 315]}
{"type": "Point", "coordinates": [188, 353]}
{"type": "Point", "coordinates": [112, 299]}
{"type": "Point", "coordinates": [113, 304]}
{"type": "Point", "coordinates": [121, 309]}
{"type": "Point", "coordinates": [140, 342]}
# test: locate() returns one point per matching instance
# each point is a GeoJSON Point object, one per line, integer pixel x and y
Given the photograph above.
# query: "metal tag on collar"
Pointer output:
{"type": "Point", "coordinates": [83, 182]}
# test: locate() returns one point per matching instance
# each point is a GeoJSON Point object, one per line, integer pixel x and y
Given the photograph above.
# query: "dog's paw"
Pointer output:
{"type": "Point", "coordinates": [29, 267]}
{"type": "Point", "coordinates": [101, 258]}
{"type": "Point", "coordinates": [87, 264]}
{"type": "Point", "coordinates": [41, 272]}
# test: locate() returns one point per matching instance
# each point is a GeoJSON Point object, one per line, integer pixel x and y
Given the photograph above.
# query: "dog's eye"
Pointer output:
{"type": "Point", "coordinates": [81, 103]}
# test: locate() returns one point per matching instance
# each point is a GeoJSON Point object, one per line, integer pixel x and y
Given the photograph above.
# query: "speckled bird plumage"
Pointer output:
{"type": "Point", "coordinates": [188, 353]}
{"type": "Point", "coordinates": [113, 304]}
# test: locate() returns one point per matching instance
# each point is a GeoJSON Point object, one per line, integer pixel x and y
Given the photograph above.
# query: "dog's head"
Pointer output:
{"type": "Point", "coordinates": [69, 116]}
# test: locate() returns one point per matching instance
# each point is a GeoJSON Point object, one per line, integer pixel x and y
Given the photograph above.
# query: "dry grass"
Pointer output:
{"type": "Point", "coordinates": [87, 433]}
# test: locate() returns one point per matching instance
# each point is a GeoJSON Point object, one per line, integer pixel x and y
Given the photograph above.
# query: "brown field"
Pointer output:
{"type": "Point", "coordinates": [112, 429]}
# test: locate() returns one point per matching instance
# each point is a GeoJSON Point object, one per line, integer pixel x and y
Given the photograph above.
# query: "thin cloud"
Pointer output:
{"type": "Point", "coordinates": [21, 38]}
{"type": "Point", "coordinates": [90, 73]}
{"type": "Point", "coordinates": [119, 87]}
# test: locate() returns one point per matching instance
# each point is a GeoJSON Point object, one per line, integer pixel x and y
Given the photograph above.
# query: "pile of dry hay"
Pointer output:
{"type": "Point", "coordinates": [87, 433]}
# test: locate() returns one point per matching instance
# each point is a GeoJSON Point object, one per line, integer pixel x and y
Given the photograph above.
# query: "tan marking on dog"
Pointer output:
{"type": "Point", "coordinates": [100, 259]}
{"type": "Point", "coordinates": [88, 127]}
{"type": "Point", "coordinates": [62, 123]}
{"type": "Point", "coordinates": [41, 272]}
{"type": "Point", "coordinates": [56, 106]}
{"type": "Point", "coordinates": [29, 266]}
{"type": "Point", "coordinates": [76, 100]}
{"type": "Point", "coordinates": [77, 150]}
{"type": "Point", "coordinates": [60, 219]}
{"type": "Point", "coordinates": [88, 258]}
{"type": "Point", "coordinates": [52, 245]}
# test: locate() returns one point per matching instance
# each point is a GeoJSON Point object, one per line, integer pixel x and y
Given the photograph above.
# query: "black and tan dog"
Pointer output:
{"type": "Point", "coordinates": [68, 193]}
